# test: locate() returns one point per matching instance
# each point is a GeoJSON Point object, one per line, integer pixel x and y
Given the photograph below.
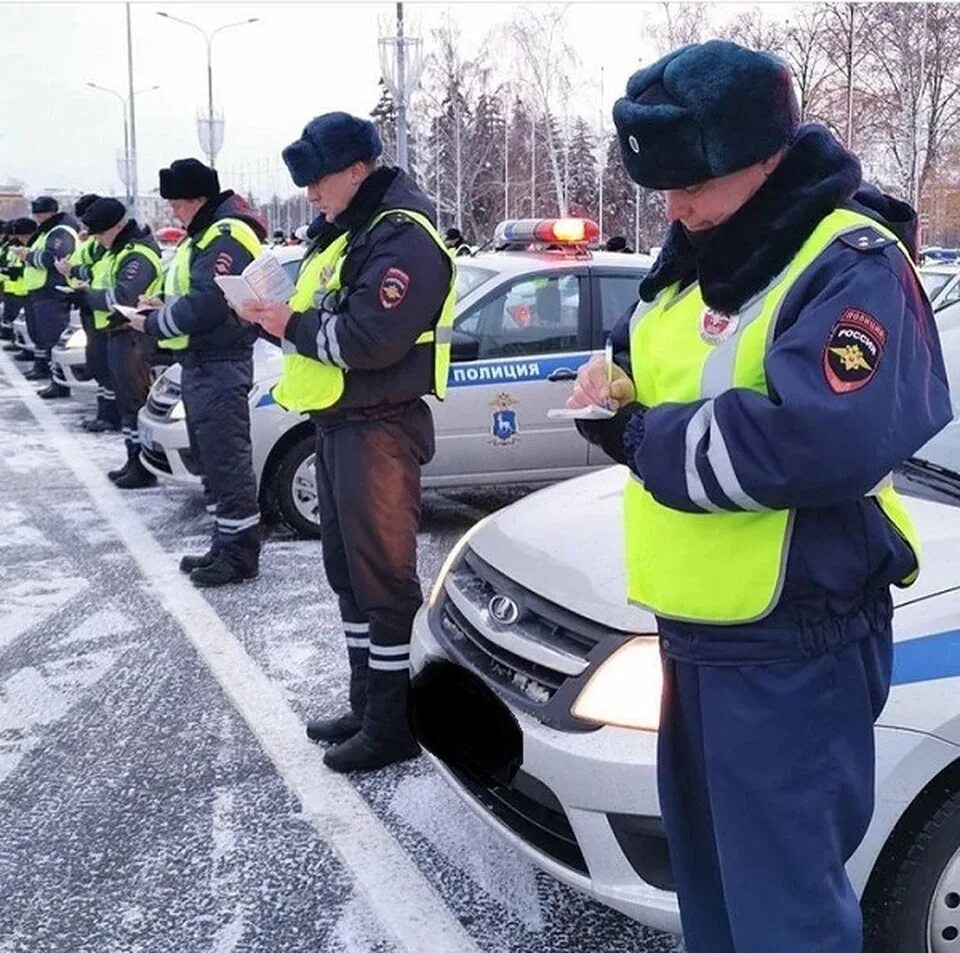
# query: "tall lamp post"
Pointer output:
{"type": "Point", "coordinates": [401, 63]}
{"type": "Point", "coordinates": [209, 130]}
{"type": "Point", "coordinates": [126, 161]}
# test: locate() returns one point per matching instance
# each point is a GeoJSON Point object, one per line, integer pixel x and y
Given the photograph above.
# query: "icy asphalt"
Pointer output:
{"type": "Point", "coordinates": [156, 792]}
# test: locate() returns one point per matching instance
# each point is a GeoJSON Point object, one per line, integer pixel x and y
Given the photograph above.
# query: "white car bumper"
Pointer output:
{"type": "Point", "coordinates": [598, 777]}
{"type": "Point", "coordinates": [165, 448]}
{"type": "Point", "coordinates": [21, 335]}
{"type": "Point", "coordinates": [68, 366]}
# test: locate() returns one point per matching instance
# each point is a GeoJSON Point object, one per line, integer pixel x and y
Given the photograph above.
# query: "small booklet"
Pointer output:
{"type": "Point", "coordinates": [262, 280]}
{"type": "Point", "coordinates": [590, 412]}
{"type": "Point", "coordinates": [129, 312]}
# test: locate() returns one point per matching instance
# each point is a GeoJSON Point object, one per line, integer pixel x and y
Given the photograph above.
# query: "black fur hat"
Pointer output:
{"type": "Point", "coordinates": [44, 203]}
{"type": "Point", "coordinates": [83, 203]}
{"type": "Point", "coordinates": [22, 226]}
{"type": "Point", "coordinates": [330, 143]}
{"type": "Point", "coordinates": [103, 214]}
{"type": "Point", "coordinates": [189, 179]}
{"type": "Point", "coordinates": [704, 111]}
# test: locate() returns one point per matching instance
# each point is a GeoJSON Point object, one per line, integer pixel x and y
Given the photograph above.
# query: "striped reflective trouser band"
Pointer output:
{"type": "Point", "coordinates": [358, 634]}
{"type": "Point", "coordinates": [389, 658]}
{"type": "Point", "coordinates": [104, 393]}
{"type": "Point", "coordinates": [132, 434]}
{"type": "Point", "coordinates": [230, 527]}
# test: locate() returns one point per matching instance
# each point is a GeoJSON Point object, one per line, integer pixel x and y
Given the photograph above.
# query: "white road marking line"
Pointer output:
{"type": "Point", "coordinates": [412, 914]}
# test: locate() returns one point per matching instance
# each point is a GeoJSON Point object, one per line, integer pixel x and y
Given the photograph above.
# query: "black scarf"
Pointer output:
{"type": "Point", "coordinates": [741, 255]}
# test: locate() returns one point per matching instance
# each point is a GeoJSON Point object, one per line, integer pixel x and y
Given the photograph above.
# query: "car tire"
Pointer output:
{"type": "Point", "coordinates": [915, 905]}
{"type": "Point", "coordinates": [294, 488]}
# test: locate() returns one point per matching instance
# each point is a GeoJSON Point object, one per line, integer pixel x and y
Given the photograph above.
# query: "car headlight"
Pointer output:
{"type": "Point", "coordinates": [452, 558]}
{"type": "Point", "coordinates": [78, 339]}
{"type": "Point", "coordinates": [625, 690]}
{"type": "Point", "coordinates": [178, 411]}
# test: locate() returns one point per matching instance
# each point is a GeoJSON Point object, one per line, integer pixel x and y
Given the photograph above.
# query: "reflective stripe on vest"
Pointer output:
{"type": "Point", "coordinates": [107, 269]}
{"type": "Point", "coordinates": [176, 281]}
{"type": "Point", "coordinates": [309, 385]}
{"type": "Point", "coordinates": [718, 566]}
{"type": "Point", "coordinates": [35, 278]}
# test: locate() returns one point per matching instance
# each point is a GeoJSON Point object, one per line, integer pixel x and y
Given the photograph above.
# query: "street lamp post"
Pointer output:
{"type": "Point", "coordinates": [126, 176]}
{"type": "Point", "coordinates": [212, 142]}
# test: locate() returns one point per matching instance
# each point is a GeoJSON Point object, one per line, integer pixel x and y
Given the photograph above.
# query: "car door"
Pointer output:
{"type": "Point", "coordinates": [614, 294]}
{"type": "Point", "coordinates": [516, 351]}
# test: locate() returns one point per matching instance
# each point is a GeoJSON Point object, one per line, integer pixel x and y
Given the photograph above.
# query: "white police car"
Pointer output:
{"type": "Point", "coordinates": [68, 361]}
{"type": "Point", "coordinates": [537, 687]}
{"type": "Point", "coordinates": [941, 281]}
{"type": "Point", "coordinates": [526, 319]}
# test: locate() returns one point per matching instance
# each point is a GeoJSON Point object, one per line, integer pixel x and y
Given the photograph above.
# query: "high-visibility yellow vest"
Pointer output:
{"type": "Point", "coordinates": [718, 567]}
{"type": "Point", "coordinates": [34, 278]}
{"type": "Point", "coordinates": [176, 281]}
{"type": "Point", "coordinates": [106, 271]}
{"type": "Point", "coordinates": [308, 385]}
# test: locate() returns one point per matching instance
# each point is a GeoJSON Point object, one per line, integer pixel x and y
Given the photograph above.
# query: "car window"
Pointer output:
{"type": "Point", "coordinates": [470, 277]}
{"type": "Point", "coordinates": [292, 268]}
{"type": "Point", "coordinates": [534, 315]}
{"type": "Point", "coordinates": [617, 294]}
{"type": "Point", "coordinates": [948, 319]}
{"type": "Point", "coordinates": [952, 295]}
{"type": "Point", "coordinates": [934, 282]}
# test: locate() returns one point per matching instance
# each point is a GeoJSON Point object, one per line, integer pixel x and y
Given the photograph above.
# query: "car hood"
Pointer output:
{"type": "Point", "coordinates": [565, 543]}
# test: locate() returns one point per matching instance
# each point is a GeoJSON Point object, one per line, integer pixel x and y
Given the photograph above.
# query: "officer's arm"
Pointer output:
{"type": "Point", "coordinates": [397, 295]}
{"type": "Point", "coordinates": [856, 385]}
{"type": "Point", "coordinates": [205, 307]}
{"type": "Point", "coordinates": [81, 272]}
{"type": "Point", "coordinates": [59, 245]}
{"type": "Point", "coordinates": [137, 274]}
{"type": "Point", "coordinates": [608, 434]}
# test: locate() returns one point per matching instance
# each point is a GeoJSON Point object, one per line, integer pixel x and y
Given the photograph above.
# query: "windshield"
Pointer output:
{"type": "Point", "coordinates": [934, 282]}
{"type": "Point", "coordinates": [470, 277]}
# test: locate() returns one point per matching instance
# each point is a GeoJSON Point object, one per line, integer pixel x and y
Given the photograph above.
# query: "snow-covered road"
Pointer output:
{"type": "Point", "coordinates": [156, 790]}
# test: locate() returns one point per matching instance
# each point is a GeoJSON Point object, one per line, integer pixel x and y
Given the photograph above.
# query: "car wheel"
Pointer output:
{"type": "Point", "coordinates": [918, 905]}
{"type": "Point", "coordinates": [295, 489]}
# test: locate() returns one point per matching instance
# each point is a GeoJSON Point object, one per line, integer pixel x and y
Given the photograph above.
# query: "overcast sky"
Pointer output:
{"type": "Point", "coordinates": [270, 77]}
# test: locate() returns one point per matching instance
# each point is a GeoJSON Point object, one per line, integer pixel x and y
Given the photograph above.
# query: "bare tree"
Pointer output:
{"type": "Point", "coordinates": [538, 37]}
{"type": "Point", "coordinates": [678, 25]}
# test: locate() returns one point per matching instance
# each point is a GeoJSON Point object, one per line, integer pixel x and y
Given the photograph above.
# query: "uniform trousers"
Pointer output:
{"type": "Point", "coordinates": [47, 318]}
{"type": "Point", "coordinates": [128, 357]}
{"type": "Point", "coordinates": [766, 779]}
{"type": "Point", "coordinates": [368, 487]}
{"type": "Point", "coordinates": [216, 399]}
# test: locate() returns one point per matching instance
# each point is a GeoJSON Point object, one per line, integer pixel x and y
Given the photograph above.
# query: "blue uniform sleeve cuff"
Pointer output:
{"type": "Point", "coordinates": [290, 331]}
{"type": "Point", "coordinates": [633, 435]}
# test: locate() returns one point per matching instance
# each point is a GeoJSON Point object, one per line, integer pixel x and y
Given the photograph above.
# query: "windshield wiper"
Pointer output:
{"type": "Point", "coordinates": [933, 475]}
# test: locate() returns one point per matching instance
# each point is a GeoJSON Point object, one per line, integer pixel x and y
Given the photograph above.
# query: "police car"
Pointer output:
{"type": "Point", "coordinates": [537, 692]}
{"type": "Point", "coordinates": [21, 336]}
{"type": "Point", "coordinates": [941, 281]}
{"type": "Point", "coordinates": [527, 318]}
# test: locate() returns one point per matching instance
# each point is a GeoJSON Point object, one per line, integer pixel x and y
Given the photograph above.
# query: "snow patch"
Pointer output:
{"type": "Point", "coordinates": [43, 594]}
{"type": "Point", "coordinates": [101, 625]}
{"type": "Point", "coordinates": [356, 930]}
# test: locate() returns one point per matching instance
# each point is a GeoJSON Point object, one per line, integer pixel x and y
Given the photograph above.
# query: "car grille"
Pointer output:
{"type": "Point", "coordinates": [162, 397]}
{"type": "Point", "coordinates": [530, 660]}
{"type": "Point", "coordinates": [155, 457]}
{"type": "Point", "coordinates": [531, 810]}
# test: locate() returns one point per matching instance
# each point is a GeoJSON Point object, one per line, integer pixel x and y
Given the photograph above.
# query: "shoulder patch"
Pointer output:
{"type": "Point", "coordinates": [866, 239]}
{"type": "Point", "coordinates": [393, 288]}
{"type": "Point", "coordinates": [853, 351]}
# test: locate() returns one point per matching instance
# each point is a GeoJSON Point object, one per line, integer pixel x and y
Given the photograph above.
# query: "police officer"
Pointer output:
{"type": "Point", "coordinates": [21, 231]}
{"type": "Point", "coordinates": [618, 243]}
{"type": "Point", "coordinates": [129, 270]}
{"type": "Point", "coordinates": [782, 361]}
{"type": "Point", "coordinates": [453, 239]}
{"type": "Point", "coordinates": [216, 351]}
{"type": "Point", "coordinates": [80, 271]}
{"type": "Point", "coordinates": [48, 310]}
{"type": "Point", "coordinates": [365, 337]}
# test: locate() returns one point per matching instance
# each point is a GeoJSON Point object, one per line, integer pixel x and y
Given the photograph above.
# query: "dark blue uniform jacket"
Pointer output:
{"type": "Point", "coordinates": [216, 333]}
{"type": "Point", "coordinates": [824, 436]}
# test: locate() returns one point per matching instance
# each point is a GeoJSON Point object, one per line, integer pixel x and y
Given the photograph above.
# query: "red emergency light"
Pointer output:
{"type": "Point", "coordinates": [169, 235]}
{"type": "Point", "coordinates": [547, 231]}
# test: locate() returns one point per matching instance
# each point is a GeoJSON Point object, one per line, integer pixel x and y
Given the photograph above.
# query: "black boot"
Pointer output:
{"type": "Point", "coordinates": [39, 372]}
{"type": "Point", "coordinates": [23, 355]}
{"type": "Point", "coordinates": [137, 476]}
{"type": "Point", "coordinates": [107, 419]}
{"type": "Point", "coordinates": [345, 725]}
{"type": "Point", "coordinates": [236, 561]}
{"type": "Point", "coordinates": [385, 737]}
{"type": "Point", "coordinates": [115, 475]}
{"type": "Point", "coordinates": [53, 390]}
{"type": "Point", "coordinates": [189, 563]}
{"type": "Point", "coordinates": [11, 347]}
